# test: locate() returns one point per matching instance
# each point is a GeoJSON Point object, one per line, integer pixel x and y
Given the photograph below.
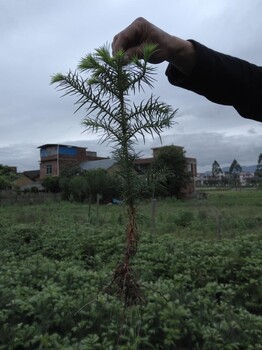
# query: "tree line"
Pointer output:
{"type": "Point", "coordinates": [232, 177]}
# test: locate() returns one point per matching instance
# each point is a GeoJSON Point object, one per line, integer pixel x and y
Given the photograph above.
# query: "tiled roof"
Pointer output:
{"type": "Point", "coordinates": [98, 164]}
{"type": "Point", "coordinates": [32, 174]}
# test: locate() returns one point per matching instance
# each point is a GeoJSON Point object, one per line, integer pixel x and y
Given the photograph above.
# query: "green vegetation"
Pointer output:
{"type": "Point", "coordinates": [200, 276]}
{"type": "Point", "coordinates": [84, 186]}
{"type": "Point", "coordinates": [7, 176]}
{"type": "Point", "coordinates": [173, 159]}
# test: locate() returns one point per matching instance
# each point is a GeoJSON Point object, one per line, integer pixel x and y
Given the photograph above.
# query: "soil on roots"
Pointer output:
{"type": "Point", "coordinates": [125, 285]}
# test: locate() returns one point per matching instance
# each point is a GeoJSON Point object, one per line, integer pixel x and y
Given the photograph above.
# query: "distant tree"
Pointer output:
{"type": "Point", "coordinates": [235, 167]}
{"type": "Point", "coordinates": [259, 166]}
{"type": "Point", "coordinates": [51, 184]}
{"type": "Point", "coordinates": [225, 181]}
{"type": "Point", "coordinates": [154, 181]}
{"type": "Point", "coordinates": [216, 170]}
{"type": "Point", "coordinates": [107, 185]}
{"type": "Point", "coordinates": [235, 170]}
{"type": "Point", "coordinates": [82, 186]}
{"type": "Point", "coordinates": [5, 183]}
{"type": "Point", "coordinates": [7, 176]}
{"type": "Point", "coordinates": [65, 179]}
{"type": "Point", "coordinates": [212, 181]}
{"type": "Point", "coordinates": [7, 171]}
{"type": "Point", "coordinates": [173, 159]}
{"type": "Point", "coordinates": [70, 171]}
{"type": "Point", "coordinates": [79, 189]}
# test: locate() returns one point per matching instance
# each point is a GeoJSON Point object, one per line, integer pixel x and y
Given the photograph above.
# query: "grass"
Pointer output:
{"type": "Point", "coordinates": [199, 269]}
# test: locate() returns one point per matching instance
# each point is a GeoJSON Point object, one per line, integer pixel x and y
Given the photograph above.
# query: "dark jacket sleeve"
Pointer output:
{"type": "Point", "coordinates": [223, 79]}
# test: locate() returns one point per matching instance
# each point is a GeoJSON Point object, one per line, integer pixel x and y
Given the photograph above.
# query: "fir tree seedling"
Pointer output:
{"type": "Point", "coordinates": [104, 86]}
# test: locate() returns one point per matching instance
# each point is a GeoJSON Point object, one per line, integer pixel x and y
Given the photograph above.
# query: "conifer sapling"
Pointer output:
{"type": "Point", "coordinates": [104, 86]}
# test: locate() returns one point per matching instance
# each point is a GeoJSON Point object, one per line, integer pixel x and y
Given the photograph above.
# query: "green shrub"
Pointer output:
{"type": "Point", "coordinates": [199, 292]}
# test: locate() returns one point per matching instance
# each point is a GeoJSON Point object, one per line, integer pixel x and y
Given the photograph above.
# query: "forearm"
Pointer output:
{"type": "Point", "coordinates": [222, 79]}
{"type": "Point", "coordinates": [182, 54]}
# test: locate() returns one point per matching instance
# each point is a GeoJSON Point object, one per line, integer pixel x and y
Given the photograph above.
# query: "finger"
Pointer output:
{"type": "Point", "coordinates": [114, 44]}
{"type": "Point", "coordinates": [134, 52]}
{"type": "Point", "coordinates": [122, 41]}
{"type": "Point", "coordinates": [128, 37]}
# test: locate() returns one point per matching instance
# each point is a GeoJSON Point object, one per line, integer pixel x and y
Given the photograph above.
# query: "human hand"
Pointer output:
{"type": "Point", "coordinates": [139, 33]}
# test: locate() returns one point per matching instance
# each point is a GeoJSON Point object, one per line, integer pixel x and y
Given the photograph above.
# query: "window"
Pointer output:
{"type": "Point", "coordinates": [49, 169]}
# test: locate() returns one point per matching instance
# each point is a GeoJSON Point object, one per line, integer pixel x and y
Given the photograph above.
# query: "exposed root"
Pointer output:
{"type": "Point", "coordinates": [124, 284]}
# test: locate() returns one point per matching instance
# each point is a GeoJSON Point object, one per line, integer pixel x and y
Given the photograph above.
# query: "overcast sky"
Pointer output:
{"type": "Point", "coordinates": [40, 38]}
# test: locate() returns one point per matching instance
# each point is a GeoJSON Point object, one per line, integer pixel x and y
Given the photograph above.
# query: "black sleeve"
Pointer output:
{"type": "Point", "coordinates": [223, 79]}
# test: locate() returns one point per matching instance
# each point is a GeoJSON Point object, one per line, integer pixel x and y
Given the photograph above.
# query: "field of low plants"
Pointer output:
{"type": "Point", "coordinates": [199, 266]}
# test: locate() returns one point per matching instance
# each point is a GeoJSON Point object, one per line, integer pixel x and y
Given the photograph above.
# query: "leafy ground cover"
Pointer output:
{"type": "Point", "coordinates": [199, 267]}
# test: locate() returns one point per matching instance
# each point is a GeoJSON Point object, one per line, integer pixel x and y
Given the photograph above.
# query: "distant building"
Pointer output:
{"type": "Point", "coordinates": [28, 179]}
{"type": "Point", "coordinates": [244, 177]}
{"type": "Point", "coordinates": [55, 157]}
